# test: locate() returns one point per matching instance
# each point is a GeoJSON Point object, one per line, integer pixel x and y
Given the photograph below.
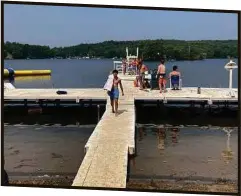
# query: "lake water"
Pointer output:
{"type": "Point", "coordinates": [44, 150]}
{"type": "Point", "coordinates": [93, 73]}
{"type": "Point", "coordinates": [174, 143]}
{"type": "Point", "coordinates": [53, 143]}
{"type": "Point", "coordinates": [190, 153]}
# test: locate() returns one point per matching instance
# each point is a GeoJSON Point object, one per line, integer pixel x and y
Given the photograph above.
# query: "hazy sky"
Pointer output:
{"type": "Point", "coordinates": [64, 26]}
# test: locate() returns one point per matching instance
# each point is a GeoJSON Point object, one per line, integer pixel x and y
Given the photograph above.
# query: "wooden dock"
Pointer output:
{"type": "Point", "coordinates": [106, 159]}
{"type": "Point", "coordinates": [105, 164]}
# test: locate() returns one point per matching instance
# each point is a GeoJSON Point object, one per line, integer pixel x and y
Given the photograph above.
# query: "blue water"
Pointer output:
{"type": "Point", "coordinates": [93, 73]}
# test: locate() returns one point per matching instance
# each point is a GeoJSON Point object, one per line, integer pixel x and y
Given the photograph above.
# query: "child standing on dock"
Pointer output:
{"type": "Point", "coordinates": [162, 76]}
{"type": "Point", "coordinates": [114, 93]}
{"type": "Point", "coordinates": [143, 69]}
{"type": "Point", "coordinates": [124, 66]}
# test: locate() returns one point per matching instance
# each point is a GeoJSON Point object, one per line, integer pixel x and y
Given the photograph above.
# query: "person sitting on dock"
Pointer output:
{"type": "Point", "coordinates": [162, 76]}
{"type": "Point", "coordinates": [114, 93]}
{"type": "Point", "coordinates": [174, 76]}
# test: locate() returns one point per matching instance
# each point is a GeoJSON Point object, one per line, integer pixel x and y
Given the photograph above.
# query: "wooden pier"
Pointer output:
{"type": "Point", "coordinates": [106, 159]}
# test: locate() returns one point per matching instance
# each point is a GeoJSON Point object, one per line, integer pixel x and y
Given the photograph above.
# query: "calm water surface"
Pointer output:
{"type": "Point", "coordinates": [44, 150]}
{"type": "Point", "coordinates": [93, 73]}
{"type": "Point", "coordinates": [50, 143]}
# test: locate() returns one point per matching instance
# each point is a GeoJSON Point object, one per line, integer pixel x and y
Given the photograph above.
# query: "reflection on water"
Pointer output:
{"type": "Point", "coordinates": [228, 153]}
{"type": "Point", "coordinates": [28, 78]}
{"type": "Point", "coordinates": [28, 81]}
{"type": "Point", "coordinates": [188, 152]}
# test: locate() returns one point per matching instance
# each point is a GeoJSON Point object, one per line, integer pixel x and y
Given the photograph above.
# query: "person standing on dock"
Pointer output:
{"type": "Point", "coordinates": [162, 76]}
{"type": "Point", "coordinates": [134, 66]}
{"type": "Point", "coordinates": [143, 69]}
{"type": "Point", "coordinates": [124, 66]}
{"type": "Point", "coordinates": [139, 63]}
{"type": "Point", "coordinates": [114, 93]}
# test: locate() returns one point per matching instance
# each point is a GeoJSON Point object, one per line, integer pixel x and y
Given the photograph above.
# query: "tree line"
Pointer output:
{"type": "Point", "coordinates": [148, 49]}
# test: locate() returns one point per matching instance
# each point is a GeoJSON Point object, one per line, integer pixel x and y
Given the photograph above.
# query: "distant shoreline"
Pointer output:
{"type": "Point", "coordinates": [116, 59]}
{"type": "Point", "coordinates": [150, 50]}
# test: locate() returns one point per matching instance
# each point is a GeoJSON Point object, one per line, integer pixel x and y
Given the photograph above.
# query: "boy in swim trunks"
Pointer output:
{"type": "Point", "coordinates": [143, 69]}
{"type": "Point", "coordinates": [162, 73]}
{"type": "Point", "coordinates": [114, 93]}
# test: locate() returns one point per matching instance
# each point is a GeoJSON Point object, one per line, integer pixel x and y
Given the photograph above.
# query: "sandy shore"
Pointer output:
{"type": "Point", "coordinates": [65, 181]}
{"type": "Point", "coordinates": [183, 186]}
{"type": "Point", "coordinates": [140, 184]}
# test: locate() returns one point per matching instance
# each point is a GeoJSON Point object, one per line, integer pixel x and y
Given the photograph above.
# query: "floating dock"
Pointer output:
{"type": "Point", "coordinates": [186, 94]}
{"type": "Point", "coordinates": [107, 150]}
{"type": "Point", "coordinates": [11, 72]}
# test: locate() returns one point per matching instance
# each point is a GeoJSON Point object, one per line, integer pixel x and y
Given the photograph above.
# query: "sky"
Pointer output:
{"type": "Point", "coordinates": [57, 26]}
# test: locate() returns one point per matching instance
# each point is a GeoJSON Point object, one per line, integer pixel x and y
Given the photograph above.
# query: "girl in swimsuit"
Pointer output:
{"type": "Point", "coordinates": [114, 93]}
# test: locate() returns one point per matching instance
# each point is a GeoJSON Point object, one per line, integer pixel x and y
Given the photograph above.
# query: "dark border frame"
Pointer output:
{"type": "Point", "coordinates": [239, 97]}
{"type": "Point", "coordinates": [123, 7]}
{"type": "Point", "coordinates": [118, 6]}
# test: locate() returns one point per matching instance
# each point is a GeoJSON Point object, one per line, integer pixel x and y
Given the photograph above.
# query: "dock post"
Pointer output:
{"type": "Point", "coordinates": [230, 66]}
{"type": "Point", "coordinates": [230, 79]}
{"type": "Point", "coordinates": [25, 103]}
{"type": "Point", "coordinates": [98, 112]}
{"type": "Point", "coordinates": [158, 104]}
{"type": "Point", "coordinates": [57, 102]}
{"type": "Point", "coordinates": [77, 99]}
{"type": "Point", "coordinates": [40, 103]}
